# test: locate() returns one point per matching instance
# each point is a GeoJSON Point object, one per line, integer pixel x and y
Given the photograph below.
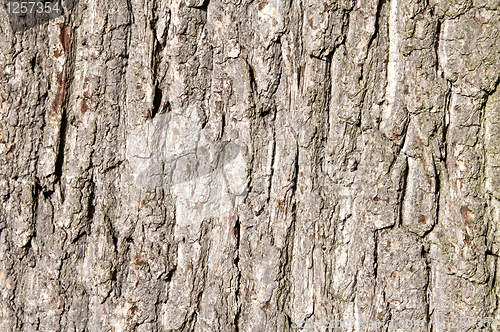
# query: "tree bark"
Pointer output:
{"type": "Point", "coordinates": [229, 165]}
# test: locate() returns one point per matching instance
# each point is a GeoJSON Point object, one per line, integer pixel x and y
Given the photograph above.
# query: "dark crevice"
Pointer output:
{"type": "Point", "coordinates": [91, 202]}
{"type": "Point", "coordinates": [299, 47]}
{"type": "Point", "coordinates": [375, 266]}
{"type": "Point", "coordinates": [378, 14]}
{"type": "Point", "coordinates": [158, 47]}
{"type": "Point", "coordinates": [437, 190]}
{"type": "Point", "coordinates": [437, 41]}
{"type": "Point", "coordinates": [286, 258]}
{"type": "Point", "coordinates": [444, 139]}
{"type": "Point", "coordinates": [404, 183]}
{"type": "Point", "coordinates": [82, 235]}
{"type": "Point", "coordinates": [200, 276]}
{"type": "Point", "coordinates": [236, 231]}
{"type": "Point", "coordinates": [237, 320]}
{"type": "Point", "coordinates": [37, 189]}
{"type": "Point", "coordinates": [47, 194]}
{"type": "Point", "coordinates": [266, 112]}
{"type": "Point", "coordinates": [33, 63]}
{"type": "Point", "coordinates": [170, 274]}
{"type": "Point", "coordinates": [428, 313]}
{"type": "Point", "coordinates": [253, 83]}
{"type": "Point", "coordinates": [29, 245]}
{"type": "Point", "coordinates": [237, 234]}
{"type": "Point", "coordinates": [204, 6]}
{"type": "Point", "coordinates": [296, 170]}
{"type": "Point", "coordinates": [114, 237]}
{"type": "Point", "coordinates": [299, 73]}
{"type": "Point", "coordinates": [286, 254]}
{"type": "Point", "coordinates": [327, 104]}
{"type": "Point", "coordinates": [60, 155]}
{"type": "Point", "coordinates": [114, 276]}
{"type": "Point", "coordinates": [223, 124]}
{"type": "Point", "coordinates": [491, 253]}
{"type": "Point", "coordinates": [157, 103]}
{"type": "Point", "coordinates": [273, 160]}
{"type": "Point", "coordinates": [494, 277]}
{"type": "Point", "coordinates": [404, 129]}
{"type": "Point", "coordinates": [69, 76]}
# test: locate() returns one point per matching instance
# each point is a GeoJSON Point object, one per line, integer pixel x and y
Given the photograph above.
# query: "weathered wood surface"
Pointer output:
{"type": "Point", "coordinates": [230, 165]}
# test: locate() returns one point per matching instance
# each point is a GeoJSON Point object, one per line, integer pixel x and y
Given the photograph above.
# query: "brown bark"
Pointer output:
{"type": "Point", "coordinates": [189, 165]}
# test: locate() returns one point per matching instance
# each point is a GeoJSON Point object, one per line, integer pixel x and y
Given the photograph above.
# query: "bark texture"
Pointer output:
{"type": "Point", "coordinates": [238, 165]}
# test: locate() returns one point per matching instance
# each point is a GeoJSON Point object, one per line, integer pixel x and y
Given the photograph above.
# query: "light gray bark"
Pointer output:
{"type": "Point", "coordinates": [231, 165]}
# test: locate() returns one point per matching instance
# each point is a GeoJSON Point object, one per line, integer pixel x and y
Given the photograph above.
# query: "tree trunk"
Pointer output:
{"type": "Point", "coordinates": [228, 165]}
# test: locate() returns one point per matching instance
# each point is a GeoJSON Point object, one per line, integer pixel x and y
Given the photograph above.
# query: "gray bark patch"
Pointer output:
{"type": "Point", "coordinates": [172, 151]}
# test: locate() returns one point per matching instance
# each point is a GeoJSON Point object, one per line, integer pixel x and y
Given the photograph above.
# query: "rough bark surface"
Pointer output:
{"type": "Point", "coordinates": [238, 165]}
